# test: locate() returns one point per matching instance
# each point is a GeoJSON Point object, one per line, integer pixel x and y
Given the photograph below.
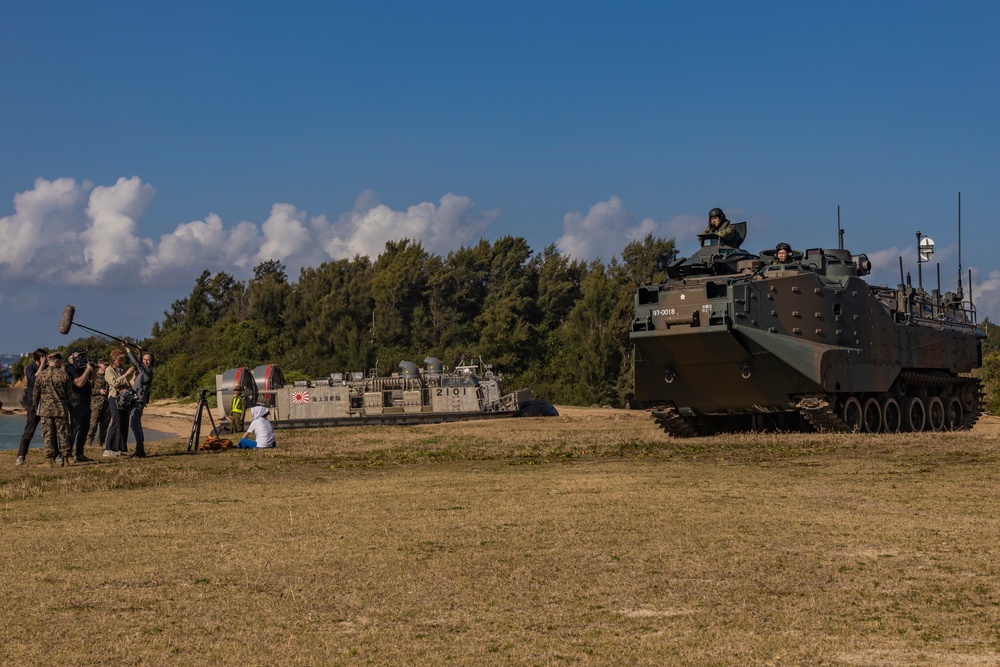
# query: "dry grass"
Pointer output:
{"type": "Point", "coordinates": [587, 539]}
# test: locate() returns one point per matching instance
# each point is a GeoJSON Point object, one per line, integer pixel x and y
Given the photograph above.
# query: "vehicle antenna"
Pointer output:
{"type": "Point", "coordinates": [960, 247]}
{"type": "Point", "coordinates": [970, 290]}
{"type": "Point", "coordinates": [840, 232]}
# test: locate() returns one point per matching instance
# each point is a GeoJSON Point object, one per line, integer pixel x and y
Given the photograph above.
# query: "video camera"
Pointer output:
{"type": "Point", "coordinates": [82, 360]}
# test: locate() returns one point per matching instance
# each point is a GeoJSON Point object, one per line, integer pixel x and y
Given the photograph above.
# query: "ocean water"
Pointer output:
{"type": "Point", "coordinates": [11, 427]}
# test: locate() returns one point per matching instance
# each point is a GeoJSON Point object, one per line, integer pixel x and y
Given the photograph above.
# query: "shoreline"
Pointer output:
{"type": "Point", "coordinates": [164, 419]}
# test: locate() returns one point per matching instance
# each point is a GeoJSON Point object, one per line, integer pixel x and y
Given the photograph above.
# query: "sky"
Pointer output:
{"type": "Point", "coordinates": [142, 143]}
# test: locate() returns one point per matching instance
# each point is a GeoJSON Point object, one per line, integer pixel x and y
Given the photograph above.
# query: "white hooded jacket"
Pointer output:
{"type": "Point", "coordinates": [260, 427]}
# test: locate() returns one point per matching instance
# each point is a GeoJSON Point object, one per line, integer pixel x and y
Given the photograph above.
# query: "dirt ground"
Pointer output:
{"type": "Point", "coordinates": [173, 418]}
{"type": "Point", "coordinates": [590, 538]}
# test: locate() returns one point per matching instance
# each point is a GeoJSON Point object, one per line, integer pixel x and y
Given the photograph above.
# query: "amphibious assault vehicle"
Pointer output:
{"type": "Point", "coordinates": [413, 395]}
{"type": "Point", "coordinates": [734, 341]}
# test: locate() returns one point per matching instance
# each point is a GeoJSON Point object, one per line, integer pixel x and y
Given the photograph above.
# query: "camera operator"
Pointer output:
{"type": "Point", "coordinates": [80, 373]}
{"type": "Point", "coordinates": [141, 387]}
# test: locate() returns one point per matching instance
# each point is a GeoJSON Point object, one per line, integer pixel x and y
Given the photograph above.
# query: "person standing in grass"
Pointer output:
{"type": "Point", "coordinates": [41, 360]}
{"type": "Point", "coordinates": [118, 381]}
{"type": "Point", "coordinates": [260, 428]}
{"type": "Point", "coordinates": [100, 413]}
{"type": "Point", "coordinates": [52, 394]}
{"type": "Point", "coordinates": [80, 374]}
{"type": "Point", "coordinates": [237, 410]}
{"type": "Point", "coordinates": [141, 386]}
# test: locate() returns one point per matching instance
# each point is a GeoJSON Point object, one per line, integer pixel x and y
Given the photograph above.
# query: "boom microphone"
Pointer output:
{"type": "Point", "coordinates": [66, 322]}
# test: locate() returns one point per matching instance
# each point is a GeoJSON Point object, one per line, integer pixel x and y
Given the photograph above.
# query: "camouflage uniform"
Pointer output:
{"type": "Point", "coordinates": [100, 413]}
{"type": "Point", "coordinates": [52, 398]}
{"type": "Point", "coordinates": [726, 233]}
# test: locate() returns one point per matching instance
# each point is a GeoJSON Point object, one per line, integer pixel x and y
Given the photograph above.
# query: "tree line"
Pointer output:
{"type": "Point", "coordinates": [546, 321]}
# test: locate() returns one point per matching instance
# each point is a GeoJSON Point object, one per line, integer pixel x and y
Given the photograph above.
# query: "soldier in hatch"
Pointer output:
{"type": "Point", "coordinates": [719, 224]}
{"type": "Point", "coordinates": [782, 253]}
{"type": "Point", "coordinates": [51, 395]}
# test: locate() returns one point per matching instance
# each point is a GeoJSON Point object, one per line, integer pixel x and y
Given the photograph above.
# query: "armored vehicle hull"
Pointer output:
{"type": "Point", "coordinates": [731, 343]}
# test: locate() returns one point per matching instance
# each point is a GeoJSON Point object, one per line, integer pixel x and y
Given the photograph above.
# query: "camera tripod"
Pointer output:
{"type": "Point", "coordinates": [196, 424]}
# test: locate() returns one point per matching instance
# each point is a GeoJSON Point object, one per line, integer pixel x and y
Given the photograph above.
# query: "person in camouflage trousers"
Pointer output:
{"type": "Point", "coordinates": [51, 395]}
{"type": "Point", "coordinates": [100, 413]}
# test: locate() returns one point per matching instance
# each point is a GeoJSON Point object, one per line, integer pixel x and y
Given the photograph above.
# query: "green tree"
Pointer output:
{"type": "Point", "coordinates": [639, 259]}
{"type": "Point", "coordinates": [402, 314]}
{"type": "Point", "coordinates": [266, 297]}
{"type": "Point", "coordinates": [456, 290]}
{"type": "Point", "coordinates": [329, 318]}
{"type": "Point", "coordinates": [507, 324]}
{"type": "Point", "coordinates": [590, 350]}
{"type": "Point", "coordinates": [559, 279]}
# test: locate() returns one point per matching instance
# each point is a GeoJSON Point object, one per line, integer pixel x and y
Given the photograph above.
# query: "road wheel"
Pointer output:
{"type": "Point", "coordinates": [935, 414]}
{"type": "Point", "coordinates": [954, 415]}
{"type": "Point", "coordinates": [871, 416]}
{"type": "Point", "coordinates": [914, 415]}
{"type": "Point", "coordinates": [851, 414]}
{"type": "Point", "coordinates": [892, 416]}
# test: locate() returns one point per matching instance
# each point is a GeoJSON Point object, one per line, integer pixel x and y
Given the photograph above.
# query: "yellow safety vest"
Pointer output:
{"type": "Point", "coordinates": [238, 403]}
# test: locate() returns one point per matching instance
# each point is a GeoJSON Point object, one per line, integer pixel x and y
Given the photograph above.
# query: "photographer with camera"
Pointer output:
{"type": "Point", "coordinates": [141, 387]}
{"type": "Point", "coordinates": [80, 371]}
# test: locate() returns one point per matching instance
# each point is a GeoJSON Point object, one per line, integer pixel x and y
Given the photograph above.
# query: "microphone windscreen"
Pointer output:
{"type": "Point", "coordinates": [66, 321]}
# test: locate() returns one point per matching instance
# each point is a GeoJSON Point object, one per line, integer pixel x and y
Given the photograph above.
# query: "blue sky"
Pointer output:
{"type": "Point", "coordinates": [145, 142]}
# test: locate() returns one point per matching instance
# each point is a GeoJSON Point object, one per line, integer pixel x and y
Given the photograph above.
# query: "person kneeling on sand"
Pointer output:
{"type": "Point", "coordinates": [260, 428]}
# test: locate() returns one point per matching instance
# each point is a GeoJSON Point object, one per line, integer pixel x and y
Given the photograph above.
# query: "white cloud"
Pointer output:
{"type": "Point", "coordinates": [192, 244]}
{"type": "Point", "coordinates": [441, 227]}
{"type": "Point", "coordinates": [986, 294]}
{"type": "Point", "coordinates": [44, 218]}
{"type": "Point", "coordinates": [285, 234]}
{"type": "Point", "coordinates": [60, 234]}
{"type": "Point", "coordinates": [608, 227]}
{"type": "Point", "coordinates": [68, 233]}
{"type": "Point", "coordinates": [111, 238]}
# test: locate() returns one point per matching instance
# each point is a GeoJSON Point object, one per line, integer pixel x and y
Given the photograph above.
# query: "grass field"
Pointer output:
{"type": "Point", "coordinates": [585, 539]}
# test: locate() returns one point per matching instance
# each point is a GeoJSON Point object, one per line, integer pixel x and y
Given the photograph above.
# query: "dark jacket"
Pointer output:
{"type": "Point", "coordinates": [29, 373]}
{"type": "Point", "coordinates": [143, 379]}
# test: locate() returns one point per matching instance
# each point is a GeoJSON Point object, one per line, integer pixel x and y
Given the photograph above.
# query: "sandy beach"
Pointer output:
{"type": "Point", "coordinates": [170, 418]}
